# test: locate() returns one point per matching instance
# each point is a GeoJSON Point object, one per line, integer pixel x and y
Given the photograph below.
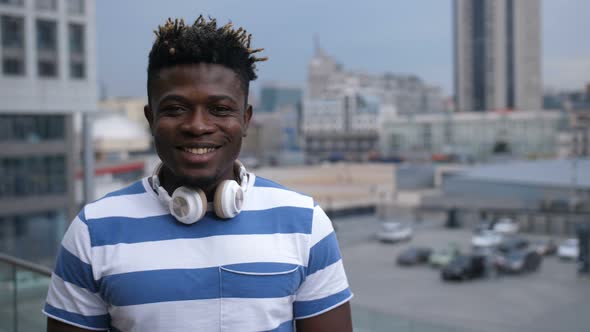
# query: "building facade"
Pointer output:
{"type": "Point", "coordinates": [497, 54]}
{"type": "Point", "coordinates": [276, 95]}
{"type": "Point", "coordinates": [408, 94]}
{"type": "Point", "coordinates": [344, 128]}
{"type": "Point", "coordinates": [574, 140]}
{"type": "Point", "coordinates": [47, 74]}
{"type": "Point", "coordinates": [476, 136]}
{"type": "Point", "coordinates": [343, 110]}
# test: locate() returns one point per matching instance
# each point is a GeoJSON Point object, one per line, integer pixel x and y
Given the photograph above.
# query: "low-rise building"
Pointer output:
{"type": "Point", "coordinates": [474, 136]}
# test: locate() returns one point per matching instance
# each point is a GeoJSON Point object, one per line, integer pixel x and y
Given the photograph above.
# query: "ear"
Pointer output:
{"type": "Point", "coordinates": [247, 118]}
{"type": "Point", "coordinates": [149, 115]}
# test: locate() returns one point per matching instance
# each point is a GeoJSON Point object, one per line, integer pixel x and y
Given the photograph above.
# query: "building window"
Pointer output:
{"type": "Point", "coordinates": [50, 5]}
{"type": "Point", "coordinates": [77, 50]}
{"type": "Point", "coordinates": [12, 2]}
{"type": "Point", "coordinates": [13, 45]}
{"type": "Point", "coordinates": [75, 7]}
{"type": "Point", "coordinates": [47, 48]}
{"type": "Point", "coordinates": [31, 128]}
{"type": "Point", "coordinates": [32, 176]}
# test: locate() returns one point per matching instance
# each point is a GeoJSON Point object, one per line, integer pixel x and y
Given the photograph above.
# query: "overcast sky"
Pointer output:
{"type": "Point", "coordinates": [399, 36]}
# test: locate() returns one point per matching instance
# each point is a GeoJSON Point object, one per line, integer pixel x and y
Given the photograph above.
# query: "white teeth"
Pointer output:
{"type": "Point", "coordinates": [199, 150]}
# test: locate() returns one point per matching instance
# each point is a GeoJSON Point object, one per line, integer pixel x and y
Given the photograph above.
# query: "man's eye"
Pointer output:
{"type": "Point", "coordinates": [172, 110]}
{"type": "Point", "coordinates": [222, 109]}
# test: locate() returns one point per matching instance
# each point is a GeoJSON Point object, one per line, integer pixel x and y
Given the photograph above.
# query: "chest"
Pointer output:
{"type": "Point", "coordinates": [207, 283]}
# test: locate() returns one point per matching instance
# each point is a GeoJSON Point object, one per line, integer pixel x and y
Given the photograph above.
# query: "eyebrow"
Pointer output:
{"type": "Point", "coordinates": [216, 98]}
{"type": "Point", "coordinates": [210, 99]}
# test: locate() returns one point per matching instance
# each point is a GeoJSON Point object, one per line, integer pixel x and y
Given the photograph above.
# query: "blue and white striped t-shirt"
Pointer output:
{"type": "Point", "coordinates": [126, 264]}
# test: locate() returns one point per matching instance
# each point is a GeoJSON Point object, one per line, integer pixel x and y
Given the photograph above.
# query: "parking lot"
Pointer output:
{"type": "Point", "coordinates": [551, 299]}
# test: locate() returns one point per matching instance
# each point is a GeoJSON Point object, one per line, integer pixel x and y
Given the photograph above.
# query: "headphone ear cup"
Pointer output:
{"type": "Point", "coordinates": [188, 205]}
{"type": "Point", "coordinates": [228, 200]}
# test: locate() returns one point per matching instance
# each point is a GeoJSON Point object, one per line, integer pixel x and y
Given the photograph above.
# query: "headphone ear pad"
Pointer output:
{"type": "Point", "coordinates": [228, 199]}
{"type": "Point", "coordinates": [188, 205]}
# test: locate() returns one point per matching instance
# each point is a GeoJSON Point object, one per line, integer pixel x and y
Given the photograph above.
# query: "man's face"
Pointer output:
{"type": "Point", "coordinates": [198, 116]}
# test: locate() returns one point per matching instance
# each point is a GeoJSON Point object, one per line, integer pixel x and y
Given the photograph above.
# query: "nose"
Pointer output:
{"type": "Point", "coordinates": [198, 122]}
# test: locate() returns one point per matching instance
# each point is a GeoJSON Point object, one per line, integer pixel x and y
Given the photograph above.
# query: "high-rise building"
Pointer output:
{"type": "Point", "coordinates": [47, 74]}
{"type": "Point", "coordinates": [497, 54]}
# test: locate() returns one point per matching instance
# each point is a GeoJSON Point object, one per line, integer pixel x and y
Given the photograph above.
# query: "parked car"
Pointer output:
{"type": "Point", "coordinates": [511, 243]}
{"type": "Point", "coordinates": [506, 226]}
{"type": "Point", "coordinates": [545, 247]}
{"type": "Point", "coordinates": [442, 257]}
{"type": "Point", "coordinates": [413, 256]}
{"type": "Point", "coordinates": [486, 238]}
{"type": "Point", "coordinates": [394, 232]}
{"type": "Point", "coordinates": [568, 249]}
{"type": "Point", "coordinates": [464, 267]}
{"type": "Point", "coordinates": [483, 225]}
{"type": "Point", "coordinates": [489, 255]}
{"type": "Point", "coordinates": [519, 261]}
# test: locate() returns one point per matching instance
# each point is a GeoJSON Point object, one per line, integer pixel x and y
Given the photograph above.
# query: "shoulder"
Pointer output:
{"type": "Point", "coordinates": [274, 194]}
{"type": "Point", "coordinates": [134, 188]}
{"type": "Point", "coordinates": [130, 201]}
{"type": "Point", "coordinates": [267, 183]}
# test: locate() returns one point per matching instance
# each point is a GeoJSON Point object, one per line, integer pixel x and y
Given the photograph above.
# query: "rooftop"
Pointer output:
{"type": "Point", "coordinates": [557, 173]}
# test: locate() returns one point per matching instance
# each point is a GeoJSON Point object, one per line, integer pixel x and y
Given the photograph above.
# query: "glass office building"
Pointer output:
{"type": "Point", "coordinates": [47, 76]}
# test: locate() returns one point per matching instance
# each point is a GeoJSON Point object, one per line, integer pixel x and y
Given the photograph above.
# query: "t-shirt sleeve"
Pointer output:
{"type": "Point", "coordinates": [73, 295]}
{"type": "Point", "coordinates": [325, 286]}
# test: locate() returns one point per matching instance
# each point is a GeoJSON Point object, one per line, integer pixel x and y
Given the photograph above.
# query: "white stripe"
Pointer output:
{"type": "Point", "coordinates": [69, 297]}
{"type": "Point", "coordinates": [321, 226]}
{"type": "Point", "coordinates": [131, 206]}
{"type": "Point", "coordinates": [77, 240]}
{"type": "Point", "coordinates": [268, 198]}
{"type": "Point", "coordinates": [240, 314]}
{"type": "Point", "coordinates": [197, 315]}
{"type": "Point", "coordinates": [200, 253]}
{"type": "Point", "coordinates": [323, 283]}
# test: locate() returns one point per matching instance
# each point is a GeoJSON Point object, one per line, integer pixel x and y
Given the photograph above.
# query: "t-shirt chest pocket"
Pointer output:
{"type": "Point", "coordinates": [258, 294]}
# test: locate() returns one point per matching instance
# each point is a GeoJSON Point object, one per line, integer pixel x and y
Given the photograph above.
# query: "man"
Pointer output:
{"type": "Point", "coordinates": [145, 258]}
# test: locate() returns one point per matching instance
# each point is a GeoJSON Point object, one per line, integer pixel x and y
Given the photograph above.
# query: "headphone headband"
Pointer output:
{"type": "Point", "coordinates": [239, 171]}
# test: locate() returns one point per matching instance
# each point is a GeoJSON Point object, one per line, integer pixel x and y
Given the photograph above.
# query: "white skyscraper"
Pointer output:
{"type": "Point", "coordinates": [497, 54]}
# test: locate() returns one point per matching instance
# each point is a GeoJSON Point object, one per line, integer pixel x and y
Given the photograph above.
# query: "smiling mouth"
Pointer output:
{"type": "Point", "coordinates": [199, 151]}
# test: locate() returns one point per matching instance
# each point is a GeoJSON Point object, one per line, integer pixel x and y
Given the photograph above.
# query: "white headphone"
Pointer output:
{"type": "Point", "coordinates": [188, 205]}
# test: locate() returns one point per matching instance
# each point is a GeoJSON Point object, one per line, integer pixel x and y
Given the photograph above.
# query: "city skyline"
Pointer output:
{"type": "Point", "coordinates": [385, 37]}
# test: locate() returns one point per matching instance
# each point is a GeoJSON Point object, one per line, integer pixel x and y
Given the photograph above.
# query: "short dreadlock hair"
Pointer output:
{"type": "Point", "coordinates": [203, 42]}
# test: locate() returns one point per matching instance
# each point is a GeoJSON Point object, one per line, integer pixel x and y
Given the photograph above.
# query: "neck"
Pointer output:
{"type": "Point", "coordinates": [170, 182]}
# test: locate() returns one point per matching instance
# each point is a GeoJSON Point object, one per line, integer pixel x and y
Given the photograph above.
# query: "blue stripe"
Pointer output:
{"type": "Point", "coordinates": [95, 322]}
{"type": "Point", "coordinates": [160, 286]}
{"type": "Point", "coordinates": [71, 269]}
{"type": "Point", "coordinates": [262, 182]}
{"type": "Point", "coordinates": [133, 189]}
{"type": "Point", "coordinates": [238, 285]}
{"type": "Point", "coordinates": [307, 308]}
{"type": "Point", "coordinates": [284, 327]}
{"type": "Point", "coordinates": [114, 230]}
{"type": "Point", "coordinates": [323, 254]}
{"type": "Point", "coordinates": [82, 216]}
